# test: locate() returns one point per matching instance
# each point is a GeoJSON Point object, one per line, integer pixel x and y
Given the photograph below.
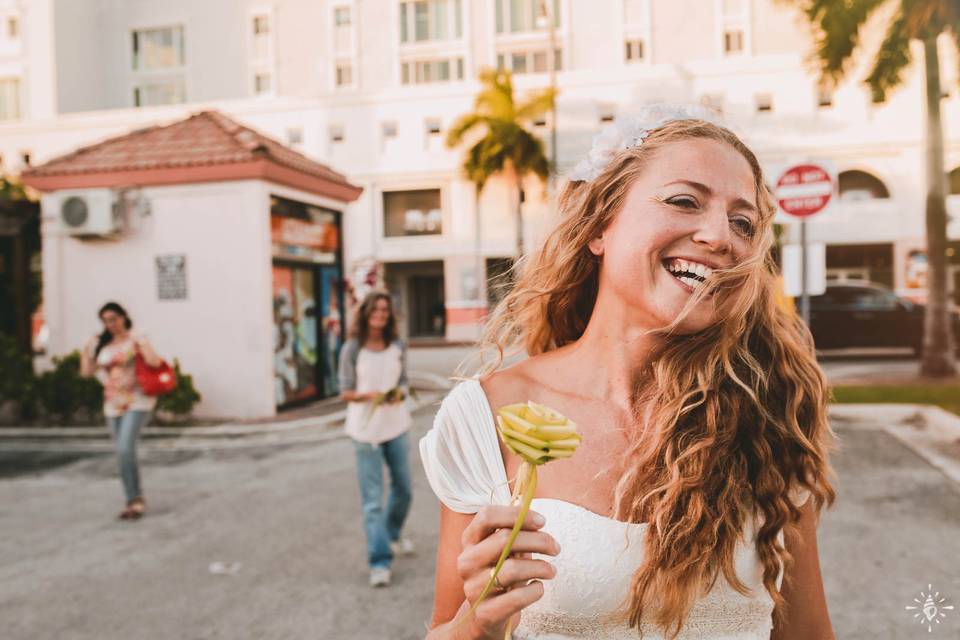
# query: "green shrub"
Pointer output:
{"type": "Point", "coordinates": [17, 379]}
{"type": "Point", "coordinates": [180, 401]}
{"type": "Point", "coordinates": [62, 392]}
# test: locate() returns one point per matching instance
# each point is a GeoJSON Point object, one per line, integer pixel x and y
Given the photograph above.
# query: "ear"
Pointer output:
{"type": "Point", "coordinates": [596, 246]}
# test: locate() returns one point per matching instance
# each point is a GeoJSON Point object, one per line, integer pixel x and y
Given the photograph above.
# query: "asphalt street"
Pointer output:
{"type": "Point", "coordinates": [290, 517]}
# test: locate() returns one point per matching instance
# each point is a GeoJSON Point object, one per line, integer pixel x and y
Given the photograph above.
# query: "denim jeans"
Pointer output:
{"type": "Point", "coordinates": [381, 527]}
{"type": "Point", "coordinates": [125, 429]}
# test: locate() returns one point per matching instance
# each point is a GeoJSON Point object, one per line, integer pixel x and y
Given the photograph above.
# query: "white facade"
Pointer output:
{"type": "Point", "coordinates": [223, 331]}
{"type": "Point", "coordinates": [344, 81]}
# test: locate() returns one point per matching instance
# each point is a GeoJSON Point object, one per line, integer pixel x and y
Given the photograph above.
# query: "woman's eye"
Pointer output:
{"type": "Point", "coordinates": [743, 226]}
{"type": "Point", "coordinates": [683, 201]}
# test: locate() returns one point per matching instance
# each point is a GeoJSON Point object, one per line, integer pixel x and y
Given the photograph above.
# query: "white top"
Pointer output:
{"type": "Point", "coordinates": [599, 555]}
{"type": "Point", "coordinates": [378, 371]}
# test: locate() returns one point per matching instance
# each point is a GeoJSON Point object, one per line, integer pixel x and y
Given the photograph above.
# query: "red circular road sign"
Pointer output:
{"type": "Point", "coordinates": [804, 190]}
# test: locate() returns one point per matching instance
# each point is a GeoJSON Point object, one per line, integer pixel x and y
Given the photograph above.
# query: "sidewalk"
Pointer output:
{"type": "Point", "coordinates": [317, 422]}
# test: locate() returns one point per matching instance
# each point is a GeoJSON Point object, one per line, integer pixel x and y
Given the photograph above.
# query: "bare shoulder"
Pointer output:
{"type": "Point", "coordinates": [515, 383]}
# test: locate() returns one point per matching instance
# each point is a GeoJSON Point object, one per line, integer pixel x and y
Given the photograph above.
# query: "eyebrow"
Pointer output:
{"type": "Point", "coordinates": [739, 203]}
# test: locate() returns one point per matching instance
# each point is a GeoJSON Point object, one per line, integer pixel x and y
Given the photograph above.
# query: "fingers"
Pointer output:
{"type": "Point", "coordinates": [497, 609]}
{"type": "Point", "coordinates": [515, 573]}
{"type": "Point", "coordinates": [487, 552]}
{"type": "Point", "coordinates": [491, 518]}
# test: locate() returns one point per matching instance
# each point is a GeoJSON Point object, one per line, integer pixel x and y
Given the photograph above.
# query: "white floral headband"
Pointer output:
{"type": "Point", "coordinates": [629, 132]}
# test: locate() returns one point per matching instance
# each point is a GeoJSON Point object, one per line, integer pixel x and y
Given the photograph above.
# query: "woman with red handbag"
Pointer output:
{"type": "Point", "coordinates": [120, 358]}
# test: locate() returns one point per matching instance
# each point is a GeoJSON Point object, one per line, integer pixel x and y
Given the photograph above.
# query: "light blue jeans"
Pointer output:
{"type": "Point", "coordinates": [381, 527]}
{"type": "Point", "coordinates": [125, 429]}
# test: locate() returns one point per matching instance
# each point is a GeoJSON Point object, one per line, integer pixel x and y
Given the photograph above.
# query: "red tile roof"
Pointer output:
{"type": "Point", "coordinates": [206, 140]}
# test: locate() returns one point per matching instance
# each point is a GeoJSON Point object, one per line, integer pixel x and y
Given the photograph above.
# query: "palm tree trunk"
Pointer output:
{"type": "Point", "coordinates": [938, 358]}
{"type": "Point", "coordinates": [519, 182]}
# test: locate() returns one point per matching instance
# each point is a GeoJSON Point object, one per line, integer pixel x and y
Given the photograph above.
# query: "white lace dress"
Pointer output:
{"type": "Point", "coordinates": [598, 557]}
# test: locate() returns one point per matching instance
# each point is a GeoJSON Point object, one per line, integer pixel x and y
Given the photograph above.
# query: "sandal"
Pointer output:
{"type": "Point", "coordinates": [134, 510]}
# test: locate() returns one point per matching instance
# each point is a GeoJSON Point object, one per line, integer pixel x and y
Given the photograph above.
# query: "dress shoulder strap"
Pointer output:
{"type": "Point", "coordinates": [461, 453]}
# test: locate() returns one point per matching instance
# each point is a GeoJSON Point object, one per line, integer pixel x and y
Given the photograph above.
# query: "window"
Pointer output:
{"type": "Point", "coordinates": [158, 49]}
{"type": "Point", "coordinates": [261, 37]}
{"type": "Point", "coordinates": [9, 98]}
{"type": "Point", "coordinates": [431, 20]}
{"type": "Point", "coordinates": [158, 93]}
{"type": "Point", "coordinates": [517, 16]}
{"type": "Point", "coordinates": [873, 300]}
{"type": "Point", "coordinates": [424, 71]}
{"type": "Point", "coordinates": [857, 185]}
{"type": "Point", "coordinates": [261, 54]}
{"type": "Point", "coordinates": [25, 157]}
{"type": "Point", "coordinates": [953, 182]}
{"type": "Point", "coordinates": [389, 129]}
{"type": "Point", "coordinates": [344, 74]}
{"type": "Point", "coordinates": [412, 213]}
{"type": "Point", "coordinates": [262, 83]}
{"type": "Point", "coordinates": [433, 126]}
{"type": "Point", "coordinates": [607, 117]}
{"type": "Point", "coordinates": [294, 136]}
{"type": "Point", "coordinates": [764, 102]}
{"type": "Point", "coordinates": [336, 133]}
{"type": "Point", "coordinates": [634, 51]}
{"type": "Point", "coordinates": [13, 28]}
{"type": "Point", "coordinates": [529, 61]}
{"type": "Point", "coordinates": [342, 30]}
{"type": "Point", "coordinates": [733, 41]}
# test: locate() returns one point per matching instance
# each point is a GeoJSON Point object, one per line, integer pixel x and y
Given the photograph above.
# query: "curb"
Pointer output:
{"type": "Point", "coordinates": [927, 430]}
{"type": "Point", "coordinates": [295, 432]}
{"type": "Point", "coordinates": [431, 383]}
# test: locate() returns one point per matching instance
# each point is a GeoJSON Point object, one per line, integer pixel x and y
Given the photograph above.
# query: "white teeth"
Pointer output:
{"type": "Point", "coordinates": [678, 265]}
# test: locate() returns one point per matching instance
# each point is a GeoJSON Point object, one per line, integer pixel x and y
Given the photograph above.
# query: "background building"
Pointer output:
{"type": "Point", "coordinates": [224, 246]}
{"type": "Point", "coordinates": [371, 86]}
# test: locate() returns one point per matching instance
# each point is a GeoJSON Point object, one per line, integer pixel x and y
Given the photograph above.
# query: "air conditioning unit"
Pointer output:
{"type": "Point", "coordinates": [91, 212]}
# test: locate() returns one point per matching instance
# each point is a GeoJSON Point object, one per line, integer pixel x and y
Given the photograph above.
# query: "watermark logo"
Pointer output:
{"type": "Point", "coordinates": [930, 608]}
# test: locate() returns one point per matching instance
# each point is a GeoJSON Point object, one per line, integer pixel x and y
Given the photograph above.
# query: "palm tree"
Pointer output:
{"type": "Point", "coordinates": [838, 24]}
{"type": "Point", "coordinates": [506, 146]}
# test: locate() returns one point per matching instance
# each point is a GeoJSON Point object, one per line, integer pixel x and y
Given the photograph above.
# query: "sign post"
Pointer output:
{"type": "Point", "coordinates": [803, 190]}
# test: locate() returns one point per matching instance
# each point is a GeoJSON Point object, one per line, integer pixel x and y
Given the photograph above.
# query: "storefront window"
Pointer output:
{"type": "Point", "coordinates": [412, 213]}
{"type": "Point", "coordinates": [307, 300]}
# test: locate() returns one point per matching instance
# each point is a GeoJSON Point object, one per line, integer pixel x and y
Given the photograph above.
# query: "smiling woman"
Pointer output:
{"type": "Point", "coordinates": [650, 320]}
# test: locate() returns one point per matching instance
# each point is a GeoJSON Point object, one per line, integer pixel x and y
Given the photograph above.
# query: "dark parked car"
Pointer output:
{"type": "Point", "coordinates": [864, 314]}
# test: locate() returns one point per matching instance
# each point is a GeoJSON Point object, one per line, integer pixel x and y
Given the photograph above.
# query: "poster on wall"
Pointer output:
{"type": "Point", "coordinates": [171, 276]}
{"type": "Point", "coordinates": [332, 323]}
{"type": "Point", "coordinates": [295, 334]}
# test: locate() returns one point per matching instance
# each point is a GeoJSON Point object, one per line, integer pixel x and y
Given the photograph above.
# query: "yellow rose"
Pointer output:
{"type": "Point", "coordinates": [537, 434]}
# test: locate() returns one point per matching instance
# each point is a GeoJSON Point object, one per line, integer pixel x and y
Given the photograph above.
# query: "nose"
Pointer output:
{"type": "Point", "coordinates": [714, 231]}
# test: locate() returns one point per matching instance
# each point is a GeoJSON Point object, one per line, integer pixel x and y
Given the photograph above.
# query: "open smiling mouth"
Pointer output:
{"type": "Point", "coordinates": [690, 274]}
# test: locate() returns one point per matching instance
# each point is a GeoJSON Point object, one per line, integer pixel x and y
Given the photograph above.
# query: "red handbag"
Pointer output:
{"type": "Point", "coordinates": [155, 381]}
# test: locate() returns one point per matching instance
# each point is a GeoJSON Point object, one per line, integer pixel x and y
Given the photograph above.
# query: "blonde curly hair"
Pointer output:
{"type": "Point", "coordinates": [736, 413]}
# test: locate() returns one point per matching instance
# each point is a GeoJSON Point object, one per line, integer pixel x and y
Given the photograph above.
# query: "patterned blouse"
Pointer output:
{"type": "Point", "coordinates": [117, 372]}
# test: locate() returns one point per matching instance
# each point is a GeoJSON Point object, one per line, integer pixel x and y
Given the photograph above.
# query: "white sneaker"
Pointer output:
{"type": "Point", "coordinates": [403, 547]}
{"type": "Point", "coordinates": [379, 577]}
